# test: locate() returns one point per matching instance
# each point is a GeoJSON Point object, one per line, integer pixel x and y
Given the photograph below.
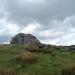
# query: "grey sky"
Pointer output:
{"type": "Point", "coordinates": [52, 21]}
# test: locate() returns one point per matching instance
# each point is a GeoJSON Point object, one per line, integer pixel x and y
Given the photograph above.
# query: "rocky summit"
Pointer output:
{"type": "Point", "coordinates": [25, 39]}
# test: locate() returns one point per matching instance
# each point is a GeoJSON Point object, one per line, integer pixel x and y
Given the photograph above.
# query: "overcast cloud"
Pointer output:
{"type": "Point", "coordinates": [51, 21]}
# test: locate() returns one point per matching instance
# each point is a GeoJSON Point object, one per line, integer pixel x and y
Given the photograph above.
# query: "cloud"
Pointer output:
{"type": "Point", "coordinates": [60, 33]}
{"type": "Point", "coordinates": [52, 21]}
{"type": "Point", "coordinates": [42, 10]}
{"type": "Point", "coordinates": [7, 30]}
{"type": "Point", "coordinates": [30, 28]}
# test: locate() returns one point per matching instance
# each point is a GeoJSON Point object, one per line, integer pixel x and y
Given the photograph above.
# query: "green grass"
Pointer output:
{"type": "Point", "coordinates": [46, 64]}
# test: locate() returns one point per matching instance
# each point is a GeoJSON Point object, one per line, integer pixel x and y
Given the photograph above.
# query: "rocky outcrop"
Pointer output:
{"type": "Point", "coordinates": [71, 47]}
{"type": "Point", "coordinates": [25, 39]}
{"type": "Point", "coordinates": [67, 48]}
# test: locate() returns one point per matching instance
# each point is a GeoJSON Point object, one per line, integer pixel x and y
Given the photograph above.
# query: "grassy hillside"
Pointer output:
{"type": "Point", "coordinates": [24, 60]}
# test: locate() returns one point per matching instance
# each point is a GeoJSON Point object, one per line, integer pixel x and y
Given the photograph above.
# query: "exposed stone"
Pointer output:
{"type": "Point", "coordinates": [25, 39]}
{"type": "Point", "coordinates": [71, 47]}
{"type": "Point", "coordinates": [67, 48]}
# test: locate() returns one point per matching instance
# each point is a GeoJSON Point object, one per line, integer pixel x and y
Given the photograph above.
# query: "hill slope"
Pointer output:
{"type": "Point", "coordinates": [46, 63]}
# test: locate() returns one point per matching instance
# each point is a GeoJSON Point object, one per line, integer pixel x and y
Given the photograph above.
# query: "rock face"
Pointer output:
{"type": "Point", "coordinates": [67, 48]}
{"type": "Point", "coordinates": [25, 39]}
{"type": "Point", "coordinates": [71, 47]}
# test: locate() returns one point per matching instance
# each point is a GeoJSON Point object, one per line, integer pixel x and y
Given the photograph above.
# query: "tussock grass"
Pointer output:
{"type": "Point", "coordinates": [69, 71]}
{"type": "Point", "coordinates": [26, 57]}
{"type": "Point", "coordinates": [8, 71]}
{"type": "Point", "coordinates": [35, 61]}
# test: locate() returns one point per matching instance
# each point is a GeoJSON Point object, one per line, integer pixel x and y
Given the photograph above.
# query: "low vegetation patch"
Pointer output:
{"type": "Point", "coordinates": [69, 71]}
{"type": "Point", "coordinates": [46, 49]}
{"type": "Point", "coordinates": [24, 60]}
{"type": "Point", "coordinates": [26, 57]}
{"type": "Point", "coordinates": [7, 71]}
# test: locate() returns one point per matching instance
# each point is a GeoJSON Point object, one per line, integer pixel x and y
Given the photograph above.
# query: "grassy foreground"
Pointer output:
{"type": "Point", "coordinates": [16, 60]}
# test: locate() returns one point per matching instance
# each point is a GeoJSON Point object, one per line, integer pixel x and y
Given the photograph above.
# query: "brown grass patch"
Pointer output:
{"type": "Point", "coordinates": [26, 57]}
{"type": "Point", "coordinates": [7, 71]}
{"type": "Point", "coordinates": [69, 71]}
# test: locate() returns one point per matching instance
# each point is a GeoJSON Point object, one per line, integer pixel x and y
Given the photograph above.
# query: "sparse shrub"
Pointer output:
{"type": "Point", "coordinates": [7, 71]}
{"type": "Point", "coordinates": [69, 71]}
{"type": "Point", "coordinates": [26, 57]}
{"type": "Point", "coordinates": [34, 48]}
{"type": "Point", "coordinates": [53, 53]}
{"type": "Point", "coordinates": [46, 51]}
